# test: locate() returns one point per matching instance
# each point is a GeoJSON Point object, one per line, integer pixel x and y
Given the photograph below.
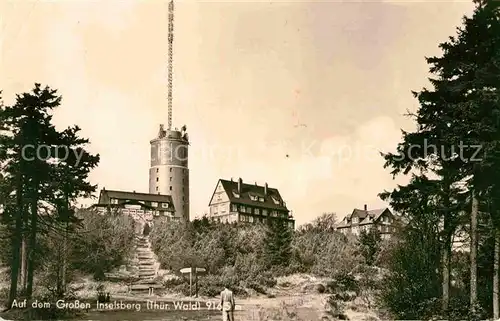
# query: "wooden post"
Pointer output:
{"type": "Point", "coordinates": [195, 283]}
{"type": "Point", "coordinates": [190, 282]}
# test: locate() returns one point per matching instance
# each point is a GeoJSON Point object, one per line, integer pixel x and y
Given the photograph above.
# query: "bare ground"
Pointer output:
{"type": "Point", "coordinates": [294, 298]}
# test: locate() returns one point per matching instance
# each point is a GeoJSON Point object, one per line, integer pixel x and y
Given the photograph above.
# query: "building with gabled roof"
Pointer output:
{"type": "Point", "coordinates": [235, 201]}
{"type": "Point", "coordinates": [363, 220]}
{"type": "Point", "coordinates": [143, 207]}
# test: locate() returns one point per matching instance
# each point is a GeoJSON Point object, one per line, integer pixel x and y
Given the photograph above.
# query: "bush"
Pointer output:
{"type": "Point", "coordinates": [324, 253]}
{"type": "Point", "coordinates": [102, 243]}
{"type": "Point", "coordinates": [412, 287]}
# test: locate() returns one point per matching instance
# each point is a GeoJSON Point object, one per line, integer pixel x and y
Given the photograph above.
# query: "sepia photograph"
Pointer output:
{"type": "Point", "coordinates": [249, 160]}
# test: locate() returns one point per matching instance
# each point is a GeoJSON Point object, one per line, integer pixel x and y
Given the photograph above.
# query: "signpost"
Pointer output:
{"type": "Point", "coordinates": [192, 271]}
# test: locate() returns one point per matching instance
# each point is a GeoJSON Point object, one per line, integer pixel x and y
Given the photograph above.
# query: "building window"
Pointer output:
{"type": "Point", "coordinates": [164, 205]}
{"type": "Point", "coordinates": [170, 178]}
{"type": "Point", "coordinates": [276, 201]}
{"type": "Point", "coordinates": [234, 208]}
{"type": "Point", "coordinates": [114, 201]}
{"type": "Point", "coordinates": [157, 188]}
{"type": "Point", "coordinates": [183, 181]}
{"type": "Point", "coordinates": [250, 219]}
{"type": "Point", "coordinates": [157, 170]}
{"type": "Point", "coordinates": [264, 212]}
{"type": "Point", "coordinates": [235, 194]}
{"type": "Point", "coordinates": [170, 187]}
{"type": "Point", "coordinates": [242, 209]}
{"type": "Point", "coordinates": [355, 220]}
{"type": "Point", "coordinates": [170, 169]}
{"type": "Point", "coordinates": [257, 211]}
{"type": "Point", "coordinates": [157, 179]}
{"type": "Point", "coordinates": [253, 197]}
{"type": "Point", "coordinates": [154, 204]}
{"type": "Point", "coordinates": [249, 210]}
{"type": "Point", "coordinates": [183, 198]}
{"type": "Point", "coordinates": [261, 199]}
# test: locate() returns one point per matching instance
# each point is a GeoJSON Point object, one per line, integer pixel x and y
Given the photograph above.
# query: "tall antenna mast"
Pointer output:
{"type": "Point", "coordinates": [170, 59]}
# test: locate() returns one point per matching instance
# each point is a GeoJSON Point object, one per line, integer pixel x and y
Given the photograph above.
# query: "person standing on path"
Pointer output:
{"type": "Point", "coordinates": [227, 304]}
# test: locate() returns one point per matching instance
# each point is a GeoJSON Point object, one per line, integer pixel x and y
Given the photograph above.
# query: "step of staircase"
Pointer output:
{"type": "Point", "coordinates": [142, 267]}
{"type": "Point", "coordinates": [144, 262]}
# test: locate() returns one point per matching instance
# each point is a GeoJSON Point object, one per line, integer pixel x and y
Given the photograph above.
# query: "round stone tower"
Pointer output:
{"type": "Point", "coordinates": [169, 172]}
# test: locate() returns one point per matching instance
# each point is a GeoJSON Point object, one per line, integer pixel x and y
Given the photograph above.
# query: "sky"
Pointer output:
{"type": "Point", "coordinates": [301, 95]}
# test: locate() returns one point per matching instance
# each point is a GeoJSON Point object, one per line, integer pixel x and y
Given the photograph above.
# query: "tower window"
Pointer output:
{"type": "Point", "coordinates": [157, 170]}
{"type": "Point", "coordinates": [170, 169]}
{"type": "Point", "coordinates": [157, 179]}
{"type": "Point", "coordinates": [183, 198]}
{"type": "Point", "coordinates": [170, 187]}
{"type": "Point", "coordinates": [170, 178]}
{"type": "Point", "coordinates": [157, 188]}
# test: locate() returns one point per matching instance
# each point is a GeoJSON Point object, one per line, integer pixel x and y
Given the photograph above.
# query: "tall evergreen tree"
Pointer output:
{"type": "Point", "coordinates": [37, 174]}
{"type": "Point", "coordinates": [278, 243]}
{"type": "Point", "coordinates": [470, 69]}
{"type": "Point", "coordinates": [460, 113]}
{"type": "Point", "coordinates": [369, 242]}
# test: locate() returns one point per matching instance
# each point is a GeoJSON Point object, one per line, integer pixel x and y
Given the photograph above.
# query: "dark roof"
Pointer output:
{"type": "Point", "coordinates": [133, 196]}
{"type": "Point", "coordinates": [365, 217]}
{"type": "Point", "coordinates": [248, 190]}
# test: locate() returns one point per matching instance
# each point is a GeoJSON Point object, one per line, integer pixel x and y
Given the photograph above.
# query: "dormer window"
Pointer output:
{"type": "Point", "coordinates": [261, 199]}
{"type": "Point", "coordinates": [154, 204]}
{"type": "Point", "coordinates": [253, 197]}
{"type": "Point", "coordinates": [276, 201]}
{"type": "Point", "coordinates": [235, 194]}
{"type": "Point", "coordinates": [355, 220]}
{"type": "Point", "coordinates": [164, 205]}
{"type": "Point", "coordinates": [114, 201]}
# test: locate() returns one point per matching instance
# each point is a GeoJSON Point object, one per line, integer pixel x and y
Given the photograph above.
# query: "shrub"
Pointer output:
{"type": "Point", "coordinates": [102, 243]}
{"type": "Point", "coordinates": [412, 287]}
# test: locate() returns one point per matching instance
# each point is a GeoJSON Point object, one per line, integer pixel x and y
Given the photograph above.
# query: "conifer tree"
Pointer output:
{"type": "Point", "coordinates": [278, 240]}
{"type": "Point", "coordinates": [36, 175]}
{"type": "Point", "coordinates": [459, 116]}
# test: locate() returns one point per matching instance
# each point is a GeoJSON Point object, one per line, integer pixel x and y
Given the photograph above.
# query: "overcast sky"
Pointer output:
{"type": "Point", "coordinates": [326, 83]}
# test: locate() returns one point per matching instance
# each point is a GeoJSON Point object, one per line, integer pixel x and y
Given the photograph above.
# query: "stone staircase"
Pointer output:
{"type": "Point", "coordinates": [144, 264]}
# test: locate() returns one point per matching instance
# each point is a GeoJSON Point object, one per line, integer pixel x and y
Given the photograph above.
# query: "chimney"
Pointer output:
{"type": "Point", "coordinates": [265, 189]}
{"type": "Point", "coordinates": [134, 191]}
{"type": "Point", "coordinates": [366, 207]}
{"type": "Point", "coordinates": [231, 179]}
{"type": "Point", "coordinates": [240, 182]}
{"type": "Point", "coordinates": [256, 184]}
